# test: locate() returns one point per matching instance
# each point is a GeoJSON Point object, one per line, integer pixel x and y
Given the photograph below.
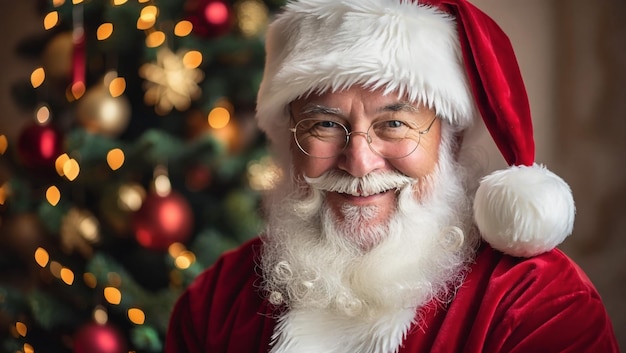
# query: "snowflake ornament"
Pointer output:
{"type": "Point", "coordinates": [170, 83]}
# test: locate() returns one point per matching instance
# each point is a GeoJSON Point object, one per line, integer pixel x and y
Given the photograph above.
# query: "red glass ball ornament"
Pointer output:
{"type": "Point", "coordinates": [210, 18]}
{"type": "Point", "coordinates": [38, 146]}
{"type": "Point", "coordinates": [96, 338]}
{"type": "Point", "coordinates": [162, 221]}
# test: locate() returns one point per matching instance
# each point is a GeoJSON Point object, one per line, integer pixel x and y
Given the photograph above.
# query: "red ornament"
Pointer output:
{"type": "Point", "coordinates": [162, 221]}
{"type": "Point", "coordinates": [96, 338]}
{"type": "Point", "coordinates": [38, 146]}
{"type": "Point", "coordinates": [210, 18]}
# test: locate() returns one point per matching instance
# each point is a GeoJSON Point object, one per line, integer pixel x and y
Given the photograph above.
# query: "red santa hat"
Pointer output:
{"type": "Point", "coordinates": [446, 54]}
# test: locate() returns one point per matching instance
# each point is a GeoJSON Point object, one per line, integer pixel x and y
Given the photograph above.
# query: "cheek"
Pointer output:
{"type": "Point", "coordinates": [420, 163]}
{"type": "Point", "coordinates": [310, 167]}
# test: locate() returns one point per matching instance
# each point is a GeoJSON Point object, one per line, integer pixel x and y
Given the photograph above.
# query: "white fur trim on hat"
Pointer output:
{"type": "Point", "coordinates": [524, 211]}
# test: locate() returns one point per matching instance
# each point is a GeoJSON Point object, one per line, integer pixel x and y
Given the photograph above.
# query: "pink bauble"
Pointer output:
{"type": "Point", "coordinates": [210, 18]}
{"type": "Point", "coordinates": [162, 221]}
{"type": "Point", "coordinates": [38, 146]}
{"type": "Point", "coordinates": [96, 338]}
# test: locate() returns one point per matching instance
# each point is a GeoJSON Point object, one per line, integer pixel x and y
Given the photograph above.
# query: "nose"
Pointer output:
{"type": "Point", "coordinates": [358, 159]}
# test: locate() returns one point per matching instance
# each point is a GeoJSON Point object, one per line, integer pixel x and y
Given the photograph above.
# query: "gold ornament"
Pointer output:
{"type": "Point", "coordinates": [252, 17]}
{"type": "Point", "coordinates": [264, 174]}
{"type": "Point", "coordinates": [57, 56]}
{"type": "Point", "coordinates": [79, 231]}
{"type": "Point", "coordinates": [170, 83]}
{"type": "Point", "coordinates": [99, 112]}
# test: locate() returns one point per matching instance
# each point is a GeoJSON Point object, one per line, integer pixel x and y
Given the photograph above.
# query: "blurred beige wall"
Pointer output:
{"type": "Point", "coordinates": [17, 20]}
{"type": "Point", "coordinates": [572, 55]}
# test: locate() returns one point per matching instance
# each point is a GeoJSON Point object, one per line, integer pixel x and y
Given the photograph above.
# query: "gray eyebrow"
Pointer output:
{"type": "Point", "coordinates": [399, 107]}
{"type": "Point", "coordinates": [320, 109]}
{"type": "Point", "coordinates": [313, 108]}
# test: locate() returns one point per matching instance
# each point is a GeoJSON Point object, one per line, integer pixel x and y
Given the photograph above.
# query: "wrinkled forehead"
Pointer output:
{"type": "Point", "coordinates": [354, 99]}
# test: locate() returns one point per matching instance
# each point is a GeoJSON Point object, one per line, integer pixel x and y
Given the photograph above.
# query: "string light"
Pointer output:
{"type": "Point", "coordinates": [42, 114]}
{"type": "Point", "coordinates": [183, 28]}
{"type": "Point", "coordinates": [147, 17]}
{"type": "Point", "coordinates": [50, 20]}
{"type": "Point", "coordinates": [71, 169]}
{"type": "Point", "coordinates": [77, 90]}
{"type": "Point", "coordinates": [60, 162]}
{"type": "Point", "coordinates": [185, 260]}
{"type": "Point", "coordinates": [104, 31]}
{"type": "Point", "coordinates": [142, 26]}
{"type": "Point", "coordinates": [115, 158]}
{"type": "Point", "coordinates": [136, 316]}
{"type": "Point", "coordinates": [155, 39]}
{"type": "Point", "coordinates": [21, 328]}
{"type": "Point", "coordinates": [100, 315]}
{"type": "Point", "coordinates": [175, 249]}
{"type": "Point", "coordinates": [4, 144]}
{"type": "Point", "coordinates": [117, 86]}
{"type": "Point", "coordinates": [88, 227]}
{"type": "Point", "coordinates": [219, 117]}
{"type": "Point", "coordinates": [37, 77]}
{"type": "Point", "coordinates": [112, 295]}
{"type": "Point", "coordinates": [192, 59]}
{"type": "Point", "coordinates": [53, 195]}
{"type": "Point", "coordinates": [149, 13]}
{"type": "Point", "coordinates": [162, 185]}
{"type": "Point", "coordinates": [28, 348]}
{"type": "Point", "coordinates": [42, 257]}
{"type": "Point", "coordinates": [4, 192]}
{"type": "Point", "coordinates": [67, 276]}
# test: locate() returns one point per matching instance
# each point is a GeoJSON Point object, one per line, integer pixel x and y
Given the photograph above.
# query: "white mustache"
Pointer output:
{"type": "Point", "coordinates": [371, 184]}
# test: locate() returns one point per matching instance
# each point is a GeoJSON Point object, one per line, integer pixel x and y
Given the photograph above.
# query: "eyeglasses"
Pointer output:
{"type": "Point", "coordinates": [391, 139]}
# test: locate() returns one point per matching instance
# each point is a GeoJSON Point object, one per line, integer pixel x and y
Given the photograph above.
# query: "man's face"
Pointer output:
{"type": "Point", "coordinates": [349, 225]}
{"type": "Point", "coordinates": [357, 108]}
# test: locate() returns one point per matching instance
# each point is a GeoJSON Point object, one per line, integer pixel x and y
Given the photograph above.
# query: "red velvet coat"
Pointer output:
{"type": "Point", "coordinates": [541, 304]}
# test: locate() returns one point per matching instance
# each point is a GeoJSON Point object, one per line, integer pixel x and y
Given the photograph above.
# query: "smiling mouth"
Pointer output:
{"type": "Point", "coordinates": [361, 193]}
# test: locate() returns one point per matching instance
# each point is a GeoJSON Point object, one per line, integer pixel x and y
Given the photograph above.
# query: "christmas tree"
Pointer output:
{"type": "Point", "coordinates": [142, 164]}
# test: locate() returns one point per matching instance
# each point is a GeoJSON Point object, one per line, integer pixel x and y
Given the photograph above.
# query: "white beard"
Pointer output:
{"type": "Point", "coordinates": [341, 297]}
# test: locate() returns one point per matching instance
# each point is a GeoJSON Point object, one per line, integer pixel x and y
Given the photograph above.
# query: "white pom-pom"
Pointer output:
{"type": "Point", "coordinates": [524, 211]}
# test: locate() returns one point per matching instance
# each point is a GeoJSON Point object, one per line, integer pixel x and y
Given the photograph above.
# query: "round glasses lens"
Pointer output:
{"type": "Point", "coordinates": [393, 138]}
{"type": "Point", "coordinates": [320, 138]}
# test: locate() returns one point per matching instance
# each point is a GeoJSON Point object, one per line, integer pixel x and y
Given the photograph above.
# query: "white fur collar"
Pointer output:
{"type": "Point", "coordinates": [320, 331]}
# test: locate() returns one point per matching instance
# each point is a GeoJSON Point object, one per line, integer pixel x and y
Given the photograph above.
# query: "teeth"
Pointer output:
{"type": "Point", "coordinates": [365, 194]}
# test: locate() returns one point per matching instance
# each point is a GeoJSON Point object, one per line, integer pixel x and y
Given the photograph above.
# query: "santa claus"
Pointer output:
{"type": "Point", "coordinates": [385, 234]}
